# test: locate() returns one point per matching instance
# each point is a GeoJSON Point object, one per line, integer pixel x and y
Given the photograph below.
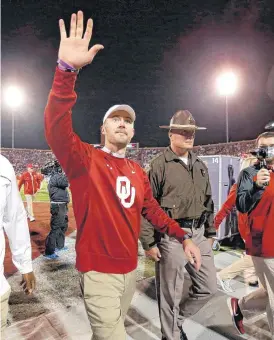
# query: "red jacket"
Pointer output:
{"type": "Point", "coordinates": [30, 183]}
{"type": "Point", "coordinates": [109, 193]}
{"type": "Point", "coordinates": [226, 209]}
{"type": "Point", "coordinates": [259, 204]}
{"type": "Point", "coordinates": [39, 178]}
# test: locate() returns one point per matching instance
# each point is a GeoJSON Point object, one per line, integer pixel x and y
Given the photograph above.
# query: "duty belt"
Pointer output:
{"type": "Point", "coordinates": [194, 223]}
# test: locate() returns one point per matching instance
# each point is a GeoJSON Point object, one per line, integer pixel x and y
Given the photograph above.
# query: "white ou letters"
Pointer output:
{"type": "Point", "coordinates": [124, 190]}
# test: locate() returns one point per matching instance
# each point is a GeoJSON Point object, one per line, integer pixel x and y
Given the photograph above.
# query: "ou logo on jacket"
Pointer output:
{"type": "Point", "coordinates": [124, 191]}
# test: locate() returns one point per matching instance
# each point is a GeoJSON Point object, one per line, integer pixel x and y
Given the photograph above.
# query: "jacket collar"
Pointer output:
{"type": "Point", "coordinates": [117, 155]}
{"type": "Point", "coordinates": [171, 156]}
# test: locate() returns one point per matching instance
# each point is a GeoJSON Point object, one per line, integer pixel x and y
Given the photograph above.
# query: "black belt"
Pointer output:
{"type": "Point", "coordinates": [191, 223]}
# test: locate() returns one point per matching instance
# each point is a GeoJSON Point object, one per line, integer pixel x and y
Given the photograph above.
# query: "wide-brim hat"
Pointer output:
{"type": "Point", "coordinates": [182, 120]}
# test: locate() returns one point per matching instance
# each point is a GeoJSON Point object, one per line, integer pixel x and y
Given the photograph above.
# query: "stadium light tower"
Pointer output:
{"type": "Point", "coordinates": [226, 85]}
{"type": "Point", "coordinates": [14, 98]}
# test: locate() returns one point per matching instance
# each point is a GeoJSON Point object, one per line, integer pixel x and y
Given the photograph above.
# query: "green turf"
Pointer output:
{"type": "Point", "coordinates": [238, 251]}
{"type": "Point", "coordinates": [149, 268]}
{"type": "Point", "coordinates": [42, 195]}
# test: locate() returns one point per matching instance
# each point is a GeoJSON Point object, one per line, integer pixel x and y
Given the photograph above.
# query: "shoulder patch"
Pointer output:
{"type": "Point", "coordinates": [204, 163]}
{"type": "Point", "coordinates": [157, 156]}
{"type": "Point", "coordinates": [155, 160]}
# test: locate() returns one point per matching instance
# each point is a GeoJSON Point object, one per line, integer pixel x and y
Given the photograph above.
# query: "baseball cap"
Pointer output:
{"type": "Point", "coordinates": [120, 107]}
{"type": "Point", "coordinates": [29, 166]}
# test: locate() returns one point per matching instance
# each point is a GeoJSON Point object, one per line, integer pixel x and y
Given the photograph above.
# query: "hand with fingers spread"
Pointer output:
{"type": "Point", "coordinates": [28, 283]}
{"type": "Point", "coordinates": [74, 49]}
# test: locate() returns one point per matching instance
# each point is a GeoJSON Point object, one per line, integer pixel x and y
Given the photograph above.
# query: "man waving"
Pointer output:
{"type": "Point", "coordinates": [110, 192]}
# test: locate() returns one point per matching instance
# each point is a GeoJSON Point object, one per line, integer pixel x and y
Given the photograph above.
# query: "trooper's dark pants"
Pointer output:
{"type": "Point", "coordinates": [59, 226]}
{"type": "Point", "coordinates": [173, 308]}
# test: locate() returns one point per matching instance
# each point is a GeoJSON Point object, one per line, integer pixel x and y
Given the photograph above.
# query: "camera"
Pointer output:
{"type": "Point", "coordinates": [51, 168]}
{"type": "Point", "coordinates": [263, 153]}
{"type": "Point", "coordinates": [270, 126]}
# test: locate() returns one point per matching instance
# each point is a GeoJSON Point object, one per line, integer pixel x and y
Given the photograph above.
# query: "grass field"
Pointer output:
{"type": "Point", "coordinates": [42, 195]}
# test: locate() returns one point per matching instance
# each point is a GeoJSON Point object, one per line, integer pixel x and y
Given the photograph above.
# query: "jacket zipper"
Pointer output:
{"type": "Point", "coordinates": [32, 184]}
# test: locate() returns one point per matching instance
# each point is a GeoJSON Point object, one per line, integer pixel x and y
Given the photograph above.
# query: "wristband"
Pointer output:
{"type": "Point", "coordinates": [186, 237]}
{"type": "Point", "coordinates": [66, 67]}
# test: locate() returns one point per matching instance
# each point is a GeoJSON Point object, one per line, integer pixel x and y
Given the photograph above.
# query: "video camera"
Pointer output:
{"type": "Point", "coordinates": [51, 168]}
{"type": "Point", "coordinates": [270, 126]}
{"type": "Point", "coordinates": [262, 154]}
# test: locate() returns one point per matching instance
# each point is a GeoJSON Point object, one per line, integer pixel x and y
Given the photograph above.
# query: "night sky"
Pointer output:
{"type": "Point", "coordinates": [159, 56]}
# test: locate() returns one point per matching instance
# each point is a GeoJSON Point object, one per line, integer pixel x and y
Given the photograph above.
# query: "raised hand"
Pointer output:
{"type": "Point", "coordinates": [74, 50]}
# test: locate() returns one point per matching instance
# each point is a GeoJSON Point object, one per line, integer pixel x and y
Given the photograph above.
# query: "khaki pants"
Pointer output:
{"type": "Point", "coordinates": [243, 266]}
{"type": "Point", "coordinates": [107, 298]}
{"type": "Point", "coordinates": [262, 299]}
{"type": "Point", "coordinates": [30, 199]}
{"type": "Point", "coordinates": [170, 282]}
{"type": "Point", "coordinates": [4, 311]}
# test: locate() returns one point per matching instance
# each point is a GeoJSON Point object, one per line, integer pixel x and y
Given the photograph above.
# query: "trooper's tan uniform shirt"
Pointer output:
{"type": "Point", "coordinates": [182, 188]}
{"type": "Point", "coordinates": [183, 191]}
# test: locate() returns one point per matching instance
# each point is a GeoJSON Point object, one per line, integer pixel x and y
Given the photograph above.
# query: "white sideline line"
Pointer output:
{"type": "Point", "coordinates": [147, 331]}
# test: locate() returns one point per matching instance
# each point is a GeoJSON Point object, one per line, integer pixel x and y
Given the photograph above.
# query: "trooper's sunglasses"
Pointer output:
{"type": "Point", "coordinates": [185, 133]}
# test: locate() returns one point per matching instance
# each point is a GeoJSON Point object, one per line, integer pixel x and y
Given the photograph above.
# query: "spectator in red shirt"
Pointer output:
{"type": "Point", "coordinates": [29, 180]}
{"type": "Point", "coordinates": [244, 264]}
{"type": "Point", "coordinates": [110, 193]}
{"type": "Point", "coordinates": [39, 178]}
{"type": "Point", "coordinates": [255, 197]}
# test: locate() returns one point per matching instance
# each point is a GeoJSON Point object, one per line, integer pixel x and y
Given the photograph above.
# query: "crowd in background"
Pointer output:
{"type": "Point", "coordinates": [20, 157]}
{"type": "Point", "coordinates": [144, 156]}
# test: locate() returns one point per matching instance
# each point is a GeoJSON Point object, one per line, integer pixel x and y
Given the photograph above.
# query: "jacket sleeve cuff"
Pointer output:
{"type": "Point", "coordinates": [27, 268]}
{"type": "Point", "coordinates": [152, 245]}
{"type": "Point", "coordinates": [148, 245]}
{"type": "Point", "coordinates": [256, 188]}
{"type": "Point", "coordinates": [256, 192]}
{"type": "Point", "coordinates": [64, 82]}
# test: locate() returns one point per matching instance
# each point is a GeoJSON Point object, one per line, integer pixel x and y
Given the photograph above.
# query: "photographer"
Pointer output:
{"type": "Point", "coordinates": [255, 197]}
{"type": "Point", "coordinates": [59, 199]}
{"type": "Point", "coordinates": [244, 264]}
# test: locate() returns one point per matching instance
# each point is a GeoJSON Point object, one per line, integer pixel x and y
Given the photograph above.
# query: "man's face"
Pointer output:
{"type": "Point", "coordinates": [30, 169]}
{"type": "Point", "coordinates": [118, 129]}
{"type": "Point", "coordinates": [264, 142]}
{"type": "Point", "coordinates": [183, 139]}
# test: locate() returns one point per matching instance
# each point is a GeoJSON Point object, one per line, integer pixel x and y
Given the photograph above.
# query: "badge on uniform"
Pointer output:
{"type": "Point", "coordinates": [203, 172]}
